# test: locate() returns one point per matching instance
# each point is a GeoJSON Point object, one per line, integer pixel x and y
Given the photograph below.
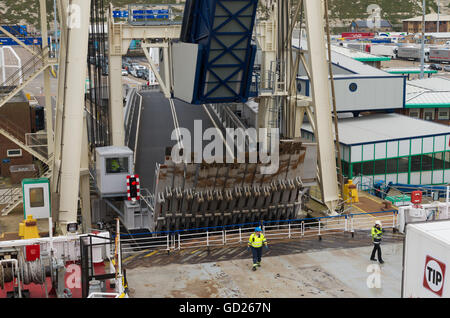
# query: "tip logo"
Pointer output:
{"type": "Point", "coordinates": [434, 275]}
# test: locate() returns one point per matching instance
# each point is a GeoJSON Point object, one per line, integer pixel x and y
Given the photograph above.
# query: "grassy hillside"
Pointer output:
{"type": "Point", "coordinates": [27, 11]}
{"type": "Point", "coordinates": [394, 11]}
{"type": "Point", "coordinates": [341, 11]}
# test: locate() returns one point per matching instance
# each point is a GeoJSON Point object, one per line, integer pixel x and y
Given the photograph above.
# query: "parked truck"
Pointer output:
{"type": "Point", "coordinates": [412, 53]}
{"type": "Point", "coordinates": [440, 54]}
{"type": "Point", "coordinates": [384, 50]}
{"type": "Point", "coordinates": [426, 260]}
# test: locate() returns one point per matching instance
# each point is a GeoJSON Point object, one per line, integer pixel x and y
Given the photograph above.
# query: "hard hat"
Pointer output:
{"type": "Point", "coordinates": [378, 222]}
{"type": "Point", "coordinates": [258, 229]}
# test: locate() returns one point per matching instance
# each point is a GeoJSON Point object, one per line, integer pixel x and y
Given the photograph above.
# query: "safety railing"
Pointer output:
{"type": "Point", "coordinates": [8, 194]}
{"type": "Point", "coordinates": [35, 63]}
{"type": "Point", "coordinates": [104, 295]}
{"type": "Point", "coordinates": [129, 113]}
{"type": "Point", "coordinates": [31, 140]}
{"type": "Point", "coordinates": [273, 230]}
{"type": "Point", "coordinates": [147, 200]}
{"type": "Point", "coordinates": [138, 243]}
{"type": "Point", "coordinates": [150, 88]}
{"type": "Point", "coordinates": [12, 196]}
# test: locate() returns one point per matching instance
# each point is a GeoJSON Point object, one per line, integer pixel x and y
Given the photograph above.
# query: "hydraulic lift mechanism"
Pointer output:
{"type": "Point", "coordinates": [70, 169]}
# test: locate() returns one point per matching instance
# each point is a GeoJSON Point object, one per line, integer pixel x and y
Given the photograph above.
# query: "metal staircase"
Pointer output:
{"type": "Point", "coordinates": [33, 145]}
{"type": "Point", "coordinates": [23, 76]}
{"type": "Point", "coordinates": [12, 197]}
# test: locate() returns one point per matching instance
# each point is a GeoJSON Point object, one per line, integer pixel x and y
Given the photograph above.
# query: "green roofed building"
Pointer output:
{"type": "Point", "coordinates": [429, 99]}
{"type": "Point", "coordinates": [393, 148]}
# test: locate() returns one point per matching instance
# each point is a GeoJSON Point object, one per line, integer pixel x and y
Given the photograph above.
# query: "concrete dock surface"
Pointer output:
{"type": "Point", "coordinates": [333, 272]}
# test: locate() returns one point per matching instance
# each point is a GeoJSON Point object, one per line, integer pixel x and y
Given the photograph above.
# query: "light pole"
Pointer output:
{"type": "Point", "coordinates": [438, 5]}
{"type": "Point", "coordinates": [422, 52]}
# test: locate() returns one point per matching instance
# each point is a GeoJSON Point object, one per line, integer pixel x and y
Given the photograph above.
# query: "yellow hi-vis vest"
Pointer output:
{"type": "Point", "coordinates": [256, 241]}
{"type": "Point", "coordinates": [376, 234]}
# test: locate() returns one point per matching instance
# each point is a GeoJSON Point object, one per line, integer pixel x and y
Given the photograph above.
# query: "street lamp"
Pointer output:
{"type": "Point", "coordinates": [438, 5]}
{"type": "Point", "coordinates": [422, 52]}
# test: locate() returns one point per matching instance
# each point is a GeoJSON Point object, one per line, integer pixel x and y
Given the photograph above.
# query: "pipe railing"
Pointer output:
{"type": "Point", "coordinates": [273, 230]}
{"type": "Point", "coordinates": [28, 68]}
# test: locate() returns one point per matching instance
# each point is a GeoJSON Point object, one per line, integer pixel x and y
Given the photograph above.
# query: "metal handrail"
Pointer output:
{"type": "Point", "coordinates": [279, 230]}
{"type": "Point", "coordinates": [29, 65]}
{"type": "Point", "coordinates": [14, 130]}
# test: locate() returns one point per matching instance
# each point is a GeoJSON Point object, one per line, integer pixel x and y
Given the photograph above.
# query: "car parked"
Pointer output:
{"type": "Point", "coordinates": [132, 71]}
{"type": "Point", "coordinates": [436, 67]}
{"type": "Point", "coordinates": [124, 72]}
{"type": "Point", "coordinates": [447, 68]}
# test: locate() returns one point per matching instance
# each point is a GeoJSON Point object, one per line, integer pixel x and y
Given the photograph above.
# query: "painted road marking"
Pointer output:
{"type": "Point", "coordinates": [131, 257]}
{"type": "Point", "coordinates": [363, 211]}
{"type": "Point", "coordinates": [151, 254]}
{"type": "Point", "coordinates": [194, 251]}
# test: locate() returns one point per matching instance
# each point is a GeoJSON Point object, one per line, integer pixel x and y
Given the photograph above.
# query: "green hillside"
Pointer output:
{"type": "Point", "coordinates": [26, 11]}
{"type": "Point", "coordinates": [341, 11]}
{"type": "Point", "coordinates": [394, 11]}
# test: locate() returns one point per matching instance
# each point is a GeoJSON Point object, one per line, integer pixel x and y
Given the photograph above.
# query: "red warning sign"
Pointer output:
{"type": "Point", "coordinates": [434, 275]}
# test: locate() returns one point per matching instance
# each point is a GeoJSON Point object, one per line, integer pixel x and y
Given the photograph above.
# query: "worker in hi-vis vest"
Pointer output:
{"type": "Point", "coordinates": [255, 243]}
{"type": "Point", "coordinates": [115, 166]}
{"type": "Point", "coordinates": [377, 233]}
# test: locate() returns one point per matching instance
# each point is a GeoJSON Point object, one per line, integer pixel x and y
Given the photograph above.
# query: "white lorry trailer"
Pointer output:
{"type": "Point", "coordinates": [384, 50]}
{"type": "Point", "coordinates": [426, 260]}
{"type": "Point", "coordinates": [440, 54]}
{"type": "Point", "coordinates": [412, 53]}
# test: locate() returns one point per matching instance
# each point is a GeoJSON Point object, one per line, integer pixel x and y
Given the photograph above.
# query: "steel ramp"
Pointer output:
{"type": "Point", "coordinates": [217, 194]}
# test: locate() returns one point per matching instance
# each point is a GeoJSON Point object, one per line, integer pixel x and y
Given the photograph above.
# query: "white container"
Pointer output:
{"type": "Point", "coordinates": [384, 50]}
{"type": "Point", "coordinates": [426, 260]}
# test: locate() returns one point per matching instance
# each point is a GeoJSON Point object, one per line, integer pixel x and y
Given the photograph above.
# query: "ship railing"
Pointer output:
{"type": "Point", "coordinates": [281, 230]}
{"type": "Point", "coordinates": [104, 295]}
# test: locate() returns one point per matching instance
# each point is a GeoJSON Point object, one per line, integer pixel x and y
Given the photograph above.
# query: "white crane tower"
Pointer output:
{"type": "Point", "coordinates": [274, 36]}
{"type": "Point", "coordinates": [70, 180]}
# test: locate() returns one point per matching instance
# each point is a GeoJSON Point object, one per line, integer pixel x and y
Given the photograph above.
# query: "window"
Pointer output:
{"type": "Point", "coordinates": [414, 113]}
{"type": "Point", "coordinates": [367, 168]}
{"type": "Point", "coordinates": [416, 163]}
{"type": "Point", "coordinates": [380, 167]}
{"type": "Point", "coordinates": [447, 160]}
{"type": "Point", "coordinates": [356, 169]}
{"type": "Point", "coordinates": [14, 152]}
{"type": "Point", "coordinates": [438, 162]}
{"type": "Point", "coordinates": [427, 162]}
{"type": "Point", "coordinates": [391, 166]}
{"type": "Point", "coordinates": [345, 168]}
{"type": "Point", "coordinates": [443, 114]}
{"type": "Point", "coordinates": [428, 114]}
{"type": "Point", "coordinates": [403, 164]}
{"type": "Point", "coordinates": [36, 197]}
{"type": "Point", "coordinates": [117, 165]}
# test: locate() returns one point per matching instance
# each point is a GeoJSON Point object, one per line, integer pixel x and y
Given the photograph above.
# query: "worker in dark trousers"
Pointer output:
{"type": "Point", "coordinates": [255, 243]}
{"type": "Point", "coordinates": [377, 233]}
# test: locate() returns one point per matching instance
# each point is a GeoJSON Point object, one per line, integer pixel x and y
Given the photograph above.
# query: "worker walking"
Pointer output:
{"type": "Point", "coordinates": [255, 243]}
{"type": "Point", "coordinates": [377, 233]}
